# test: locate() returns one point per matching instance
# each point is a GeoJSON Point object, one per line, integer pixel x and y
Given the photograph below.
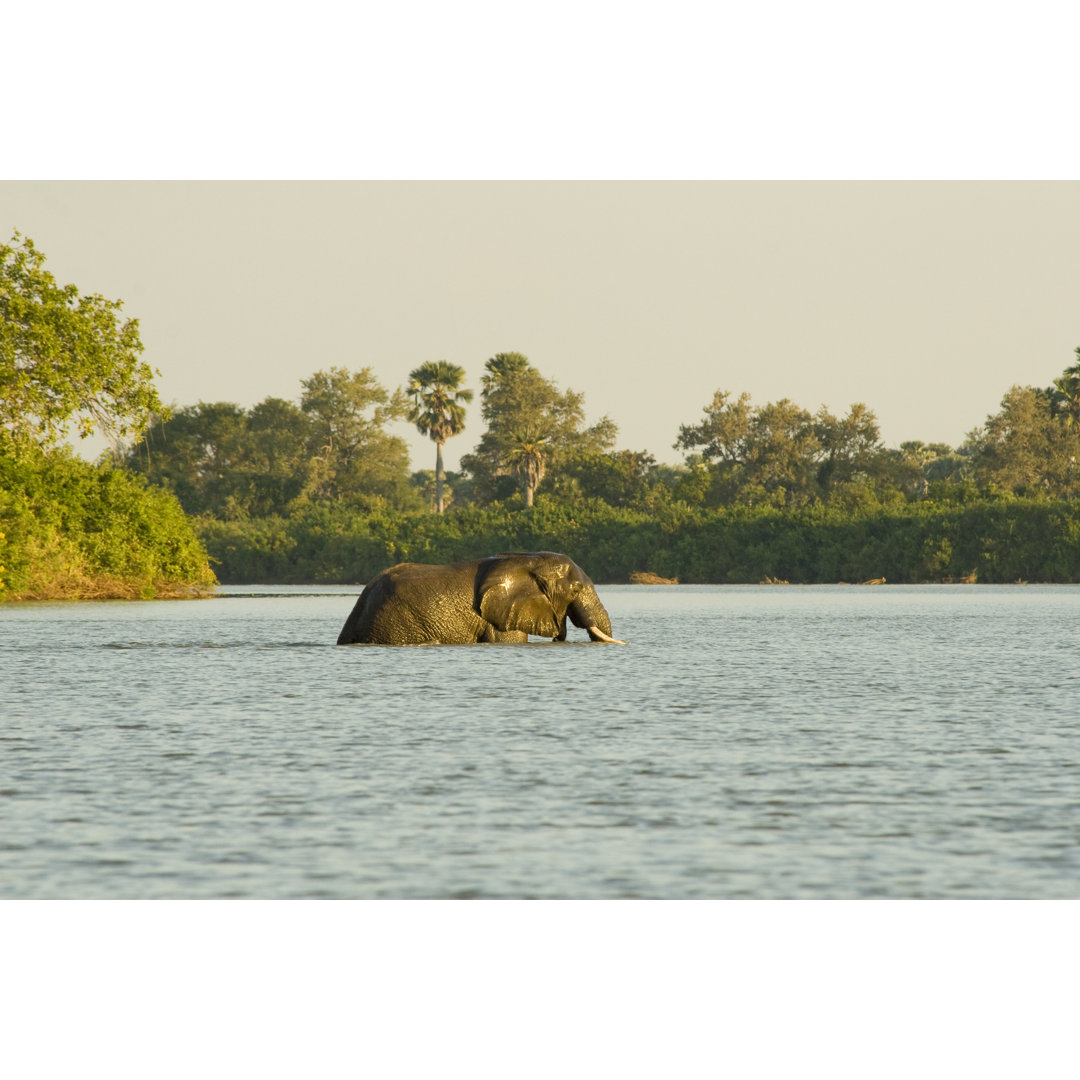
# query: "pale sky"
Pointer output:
{"type": "Point", "coordinates": [924, 300]}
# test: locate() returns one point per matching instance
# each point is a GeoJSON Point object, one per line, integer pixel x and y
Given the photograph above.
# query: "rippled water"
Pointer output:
{"type": "Point", "coordinates": [751, 742]}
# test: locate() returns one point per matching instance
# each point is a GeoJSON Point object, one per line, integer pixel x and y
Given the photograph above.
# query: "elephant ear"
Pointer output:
{"type": "Point", "coordinates": [511, 597]}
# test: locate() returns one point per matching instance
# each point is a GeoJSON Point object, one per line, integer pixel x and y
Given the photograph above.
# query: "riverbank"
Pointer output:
{"type": "Point", "coordinates": [986, 540]}
{"type": "Point", "coordinates": [74, 531]}
{"type": "Point", "coordinates": [80, 588]}
{"type": "Point", "coordinates": [71, 530]}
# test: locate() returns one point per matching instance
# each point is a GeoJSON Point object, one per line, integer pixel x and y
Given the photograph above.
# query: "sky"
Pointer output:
{"type": "Point", "coordinates": [925, 300]}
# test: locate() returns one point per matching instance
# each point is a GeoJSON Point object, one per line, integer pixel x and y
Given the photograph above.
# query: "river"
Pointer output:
{"type": "Point", "coordinates": [753, 742]}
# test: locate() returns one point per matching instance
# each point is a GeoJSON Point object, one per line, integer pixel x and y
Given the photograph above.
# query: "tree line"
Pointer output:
{"type": "Point", "coordinates": [320, 488]}
{"type": "Point", "coordinates": [771, 492]}
{"type": "Point", "coordinates": [1005, 539]}
{"type": "Point", "coordinates": [336, 445]}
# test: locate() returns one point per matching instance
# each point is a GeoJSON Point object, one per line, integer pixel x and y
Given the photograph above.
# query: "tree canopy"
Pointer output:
{"type": "Point", "coordinates": [532, 426]}
{"type": "Point", "coordinates": [65, 358]}
{"type": "Point", "coordinates": [1065, 393]}
{"type": "Point", "coordinates": [349, 412]}
{"type": "Point", "coordinates": [69, 528]}
{"type": "Point", "coordinates": [438, 410]}
{"type": "Point", "coordinates": [1029, 447]}
{"type": "Point", "coordinates": [779, 453]}
{"type": "Point", "coordinates": [337, 444]}
{"type": "Point", "coordinates": [232, 462]}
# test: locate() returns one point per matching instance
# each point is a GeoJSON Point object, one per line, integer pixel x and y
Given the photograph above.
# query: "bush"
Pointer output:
{"type": "Point", "coordinates": [995, 539]}
{"type": "Point", "coordinates": [72, 530]}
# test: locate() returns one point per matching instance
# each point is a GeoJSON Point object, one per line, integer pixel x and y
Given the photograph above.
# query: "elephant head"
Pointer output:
{"type": "Point", "coordinates": [535, 591]}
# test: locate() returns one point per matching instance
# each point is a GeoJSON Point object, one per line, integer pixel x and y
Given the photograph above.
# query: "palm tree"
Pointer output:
{"type": "Point", "coordinates": [1065, 393]}
{"type": "Point", "coordinates": [526, 458]}
{"type": "Point", "coordinates": [438, 409]}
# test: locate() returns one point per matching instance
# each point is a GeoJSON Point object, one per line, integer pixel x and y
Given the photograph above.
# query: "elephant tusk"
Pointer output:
{"type": "Point", "coordinates": [598, 635]}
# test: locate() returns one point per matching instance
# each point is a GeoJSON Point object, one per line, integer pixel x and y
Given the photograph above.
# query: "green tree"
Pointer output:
{"type": "Point", "coordinates": [197, 453]}
{"type": "Point", "coordinates": [65, 357]}
{"type": "Point", "coordinates": [278, 462]}
{"type": "Point", "coordinates": [532, 426]}
{"type": "Point", "coordinates": [424, 482]}
{"type": "Point", "coordinates": [618, 477]}
{"type": "Point", "coordinates": [779, 454]}
{"type": "Point", "coordinates": [1065, 394]}
{"type": "Point", "coordinates": [916, 465]}
{"type": "Point", "coordinates": [233, 463]}
{"type": "Point", "coordinates": [768, 454]}
{"type": "Point", "coordinates": [849, 447]}
{"type": "Point", "coordinates": [525, 456]}
{"type": "Point", "coordinates": [353, 452]}
{"type": "Point", "coordinates": [721, 440]}
{"type": "Point", "coordinates": [438, 410]}
{"type": "Point", "coordinates": [1027, 447]}
{"type": "Point", "coordinates": [74, 530]}
{"type": "Point", "coordinates": [784, 450]}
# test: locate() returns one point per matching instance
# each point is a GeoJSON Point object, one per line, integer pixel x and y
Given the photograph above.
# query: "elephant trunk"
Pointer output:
{"type": "Point", "coordinates": [587, 612]}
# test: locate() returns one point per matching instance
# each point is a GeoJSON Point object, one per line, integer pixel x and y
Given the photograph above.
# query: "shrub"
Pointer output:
{"type": "Point", "coordinates": [73, 530]}
{"type": "Point", "coordinates": [1000, 540]}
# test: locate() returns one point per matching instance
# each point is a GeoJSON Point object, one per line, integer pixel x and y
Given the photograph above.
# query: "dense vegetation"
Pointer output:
{"type": "Point", "coordinates": [69, 529]}
{"type": "Point", "coordinates": [765, 493]}
{"type": "Point", "coordinates": [987, 540]}
{"type": "Point", "coordinates": [319, 490]}
{"type": "Point", "coordinates": [73, 530]}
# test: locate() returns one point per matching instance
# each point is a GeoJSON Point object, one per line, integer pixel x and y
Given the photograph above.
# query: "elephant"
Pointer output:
{"type": "Point", "coordinates": [503, 598]}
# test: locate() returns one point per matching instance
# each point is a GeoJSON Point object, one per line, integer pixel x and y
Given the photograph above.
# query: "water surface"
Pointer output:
{"type": "Point", "coordinates": [749, 742]}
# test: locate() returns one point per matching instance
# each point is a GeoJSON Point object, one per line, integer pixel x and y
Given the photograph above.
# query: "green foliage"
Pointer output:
{"type": "Point", "coordinates": [532, 426]}
{"type": "Point", "coordinates": [73, 530]}
{"type": "Point", "coordinates": [990, 540]}
{"type": "Point", "coordinates": [917, 465]}
{"type": "Point", "coordinates": [436, 490]}
{"type": "Point", "coordinates": [233, 463]}
{"type": "Point", "coordinates": [349, 413]}
{"type": "Point", "coordinates": [293, 494]}
{"type": "Point", "coordinates": [779, 454]}
{"type": "Point", "coordinates": [69, 529]}
{"type": "Point", "coordinates": [65, 357]}
{"type": "Point", "coordinates": [848, 448]}
{"type": "Point", "coordinates": [1030, 447]}
{"type": "Point", "coordinates": [1065, 394]}
{"type": "Point", "coordinates": [320, 491]}
{"type": "Point", "coordinates": [200, 454]}
{"type": "Point", "coordinates": [438, 410]}
{"type": "Point", "coordinates": [617, 477]}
